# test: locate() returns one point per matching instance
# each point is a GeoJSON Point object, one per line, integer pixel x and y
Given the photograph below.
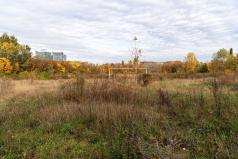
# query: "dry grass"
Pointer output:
{"type": "Point", "coordinates": [27, 88]}
{"type": "Point", "coordinates": [179, 85]}
{"type": "Point", "coordinates": [101, 112]}
{"type": "Point", "coordinates": [167, 119]}
{"type": "Point", "coordinates": [6, 87]}
{"type": "Point", "coordinates": [21, 88]}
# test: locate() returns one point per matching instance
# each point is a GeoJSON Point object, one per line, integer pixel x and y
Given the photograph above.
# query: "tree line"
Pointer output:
{"type": "Point", "coordinates": [16, 59]}
{"type": "Point", "coordinates": [223, 62]}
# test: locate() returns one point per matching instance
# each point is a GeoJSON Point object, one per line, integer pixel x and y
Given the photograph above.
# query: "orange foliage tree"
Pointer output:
{"type": "Point", "coordinates": [6, 66]}
{"type": "Point", "coordinates": [17, 55]}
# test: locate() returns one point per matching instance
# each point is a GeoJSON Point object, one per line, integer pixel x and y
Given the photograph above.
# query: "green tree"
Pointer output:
{"type": "Point", "coordinates": [203, 68]}
{"type": "Point", "coordinates": [221, 55]}
{"type": "Point", "coordinates": [123, 62]}
{"type": "Point", "coordinates": [8, 39]}
{"type": "Point", "coordinates": [231, 51]}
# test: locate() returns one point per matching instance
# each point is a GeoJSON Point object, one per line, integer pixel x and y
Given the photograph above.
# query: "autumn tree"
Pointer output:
{"type": "Point", "coordinates": [60, 67]}
{"type": "Point", "coordinates": [75, 65]}
{"type": "Point", "coordinates": [6, 66]}
{"type": "Point", "coordinates": [191, 63]}
{"type": "Point", "coordinates": [172, 67]}
{"type": "Point", "coordinates": [5, 38]}
{"type": "Point", "coordinates": [224, 61]}
{"type": "Point", "coordinates": [41, 65]}
{"type": "Point", "coordinates": [16, 53]}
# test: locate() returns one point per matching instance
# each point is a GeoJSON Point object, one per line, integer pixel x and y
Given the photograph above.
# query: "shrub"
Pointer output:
{"type": "Point", "coordinates": [144, 79]}
{"type": "Point", "coordinates": [73, 91]}
{"type": "Point", "coordinates": [45, 75]}
{"type": "Point", "coordinates": [23, 75]}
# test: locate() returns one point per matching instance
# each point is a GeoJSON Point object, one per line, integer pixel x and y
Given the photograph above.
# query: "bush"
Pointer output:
{"type": "Point", "coordinates": [45, 75]}
{"type": "Point", "coordinates": [23, 75]}
{"type": "Point", "coordinates": [144, 79]}
{"type": "Point", "coordinates": [73, 90]}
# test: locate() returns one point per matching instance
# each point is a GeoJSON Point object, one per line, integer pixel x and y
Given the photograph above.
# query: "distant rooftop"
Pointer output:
{"type": "Point", "coordinates": [59, 53]}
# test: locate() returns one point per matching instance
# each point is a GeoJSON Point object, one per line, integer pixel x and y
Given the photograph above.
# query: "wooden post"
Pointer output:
{"type": "Point", "coordinates": [109, 72]}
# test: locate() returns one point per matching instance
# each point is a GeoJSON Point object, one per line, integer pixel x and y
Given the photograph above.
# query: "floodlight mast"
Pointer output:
{"type": "Point", "coordinates": [136, 54]}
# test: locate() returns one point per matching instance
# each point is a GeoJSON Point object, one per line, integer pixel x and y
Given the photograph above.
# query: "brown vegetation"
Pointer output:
{"type": "Point", "coordinates": [170, 118]}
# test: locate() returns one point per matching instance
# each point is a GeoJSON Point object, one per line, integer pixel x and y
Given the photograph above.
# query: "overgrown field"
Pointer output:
{"type": "Point", "coordinates": [97, 119]}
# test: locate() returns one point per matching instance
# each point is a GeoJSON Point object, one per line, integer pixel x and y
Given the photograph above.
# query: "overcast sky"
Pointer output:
{"type": "Point", "coordinates": [102, 30]}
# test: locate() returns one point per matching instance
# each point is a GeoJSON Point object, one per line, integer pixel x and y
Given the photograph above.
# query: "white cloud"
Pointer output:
{"type": "Point", "coordinates": [102, 30]}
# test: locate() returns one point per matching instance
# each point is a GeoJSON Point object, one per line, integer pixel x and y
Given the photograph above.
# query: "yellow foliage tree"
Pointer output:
{"type": "Point", "coordinates": [9, 47]}
{"type": "Point", "coordinates": [6, 66]}
{"type": "Point", "coordinates": [75, 65]}
{"type": "Point", "coordinates": [17, 67]}
{"type": "Point", "coordinates": [19, 55]}
{"type": "Point", "coordinates": [61, 68]}
{"type": "Point", "coordinates": [191, 63]}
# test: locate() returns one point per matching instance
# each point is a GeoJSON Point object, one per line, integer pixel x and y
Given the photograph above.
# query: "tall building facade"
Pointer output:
{"type": "Point", "coordinates": [56, 56]}
{"type": "Point", "coordinates": [44, 55]}
{"type": "Point", "coordinates": [59, 56]}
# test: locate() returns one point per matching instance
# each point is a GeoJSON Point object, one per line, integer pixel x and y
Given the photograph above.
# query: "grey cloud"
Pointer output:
{"type": "Point", "coordinates": [102, 30]}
